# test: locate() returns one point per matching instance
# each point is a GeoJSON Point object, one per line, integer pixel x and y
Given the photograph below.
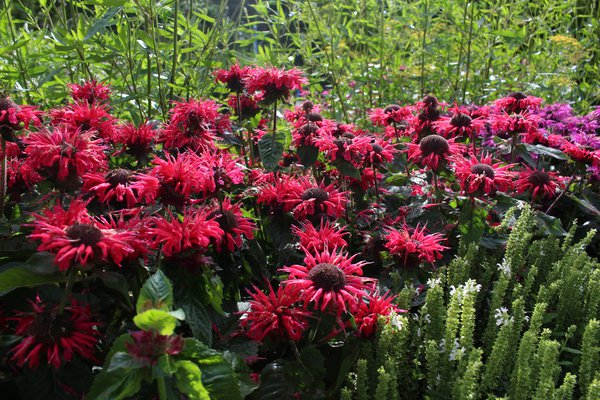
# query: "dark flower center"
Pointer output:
{"type": "Point", "coordinates": [539, 178]}
{"type": "Point", "coordinates": [308, 129]}
{"type": "Point", "coordinates": [226, 219]}
{"type": "Point", "coordinates": [328, 277]}
{"type": "Point", "coordinates": [315, 193]}
{"type": "Point", "coordinates": [430, 101]}
{"type": "Point", "coordinates": [483, 169]}
{"type": "Point", "coordinates": [391, 108]}
{"type": "Point", "coordinates": [376, 148]}
{"type": "Point", "coordinates": [314, 117]}
{"type": "Point", "coordinates": [518, 95]}
{"type": "Point", "coordinates": [48, 327]}
{"type": "Point", "coordinates": [7, 104]}
{"type": "Point", "coordinates": [460, 120]}
{"type": "Point", "coordinates": [434, 144]}
{"type": "Point", "coordinates": [85, 233]}
{"type": "Point", "coordinates": [307, 106]}
{"type": "Point", "coordinates": [118, 176]}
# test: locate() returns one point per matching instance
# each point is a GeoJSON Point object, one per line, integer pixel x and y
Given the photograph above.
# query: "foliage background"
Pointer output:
{"type": "Point", "coordinates": [362, 54]}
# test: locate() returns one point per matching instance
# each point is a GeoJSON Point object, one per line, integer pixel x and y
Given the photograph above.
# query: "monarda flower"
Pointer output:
{"type": "Point", "coordinates": [379, 152]}
{"type": "Point", "coordinates": [135, 140]}
{"type": "Point", "coordinates": [415, 246]}
{"type": "Point", "coordinates": [90, 92]}
{"type": "Point", "coordinates": [306, 129]}
{"type": "Point", "coordinates": [540, 184]}
{"type": "Point", "coordinates": [148, 346]}
{"type": "Point", "coordinates": [86, 117]}
{"type": "Point", "coordinates": [434, 151]}
{"type": "Point", "coordinates": [233, 77]}
{"type": "Point", "coordinates": [428, 114]}
{"type": "Point", "coordinates": [78, 239]}
{"type": "Point", "coordinates": [459, 123]}
{"type": "Point", "coordinates": [517, 102]}
{"type": "Point", "coordinates": [193, 125]}
{"type": "Point", "coordinates": [175, 180]}
{"type": "Point", "coordinates": [508, 125]}
{"type": "Point", "coordinates": [369, 309]}
{"type": "Point", "coordinates": [247, 107]}
{"type": "Point", "coordinates": [480, 177]}
{"type": "Point", "coordinates": [318, 201]}
{"type": "Point", "coordinates": [14, 117]}
{"type": "Point", "coordinates": [393, 115]}
{"type": "Point", "coordinates": [195, 231]}
{"type": "Point", "coordinates": [328, 281]}
{"type": "Point", "coordinates": [226, 168]}
{"type": "Point", "coordinates": [276, 315]}
{"type": "Point", "coordinates": [112, 187]}
{"type": "Point", "coordinates": [233, 223]}
{"type": "Point", "coordinates": [274, 84]}
{"type": "Point", "coordinates": [52, 337]}
{"type": "Point", "coordinates": [63, 153]}
{"type": "Point", "coordinates": [347, 146]}
{"type": "Point", "coordinates": [315, 240]}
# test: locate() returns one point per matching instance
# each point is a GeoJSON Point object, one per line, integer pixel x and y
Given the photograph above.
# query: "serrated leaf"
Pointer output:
{"type": "Point", "coordinates": [308, 155]}
{"type": "Point", "coordinates": [123, 360]}
{"type": "Point", "coordinates": [17, 275]}
{"type": "Point", "coordinates": [158, 320]}
{"type": "Point", "coordinates": [157, 292]}
{"type": "Point", "coordinates": [199, 321]}
{"type": "Point", "coordinates": [115, 385]}
{"type": "Point", "coordinates": [546, 151]}
{"type": "Point", "coordinates": [270, 148]}
{"type": "Point", "coordinates": [551, 225]}
{"type": "Point", "coordinates": [471, 224]}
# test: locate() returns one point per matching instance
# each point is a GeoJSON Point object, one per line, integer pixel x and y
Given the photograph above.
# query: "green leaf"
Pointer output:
{"type": "Point", "coordinates": [115, 281]}
{"type": "Point", "coordinates": [189, 380]}
{"type": "Point", "coordinates": [198, 320]}
{"type": "Point", "coordinates": [157, 292]}
{"type": "Point", "coordinates": [158, 320]}
{"type": "Point", "coordinates": [471, 224]}
{"type": "Point", "coordinates": [546, 151]}
{"type": "Point", "coordinates": [274, 384]}
{"type": "Point", "coordinates": [308, 155]}
{"type": "Point", "coordinates": [270, 147]}
{"type": "Point", "coordinates": [104, 21]}
{"type": "Point", "coordinates": [123, 360]}
{"type": "Point", "coordinates": [14, 46]}
{"type": "Point", "coordinates": [346, 168]}
{"type": "Point", "coordinates": [17, 275]}
{"type": "Point", "coordinates": [115, 385]}
{"type": "Point", "coordinates": [551, 225]}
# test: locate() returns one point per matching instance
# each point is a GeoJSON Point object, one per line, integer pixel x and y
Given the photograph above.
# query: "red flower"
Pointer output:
{"type": "Point", "coordinates": [13, 115]}
{"type": "Point", "coordinates": [57, 336]}
{"type": "Point", "coordinates": [482, 176]}
{"type": "Point", "coordinates": [175, 180]}
{"type": "Point", "coordinates": [345, 146]}
{"type": "Point", "coordinates": [194, 125]}
{"type": "Point", "coordinates": [326, 237]}
{"type": "Point", "coordinates": [85, 117]}
{"type": "Point", "coordinates": [233, 223]}
{"type": "Point", "coordinates": [369, 311]}
{"type": "Point", "coordinates": [195, 230]}
{"type": "Point", "coordinates": [234, 77]}
{"type": "Point", "coordinates": [428, 114]}
{"type": "Point", "coordinates": [113, 187]}
{"type": "Point", "coordinates": [318, 201]}
{"type": "Point", "coordinates": [393, 115]}
{"type": "Point", "coordinates": [148, 346]}
{"type": "Point", "coordinates": [379, 152]}
{"type": "Point", "coordinates": [434, 151]}
{"type": "Point", "coordinates": [458, 123]}
{"type": "Point", "coordinates": [248, 105]}
{"type": "Point", "coordinates": [275, 314]}
{"type": "Point", "coordinates": [415, 245]}
{"type": "Point", "coordinates": [306, 129]}
{"type": "Point", "coordinates": [540, 184]}
{"type": "Point", "coordinates": [274, 84]}
{"type": "Point", "coordinates": [517, 102]}
{"type": "Point", "coordinates": [90, 92]}
{"type": "Point", "coordinates": [75, 237]}
{"type": "Point", "coordinates": [136, 141]}
{"type": "Point", "coordinates": [506, 125]}
{"type": "Point", "coordinates": [64, 153]}
{"type": "Point", "coordinates": [329, 280]}
{"type": "Point", "coordinates": [226, 168]}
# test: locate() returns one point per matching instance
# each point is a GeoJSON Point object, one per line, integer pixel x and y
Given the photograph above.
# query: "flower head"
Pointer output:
{"type": "Point", "coordinates": [326, 237]}
{"type": "Point", "coordinates": [54, 337]}
{"type": "Point", "coordinates": [479, 176]}
{"type": "Point", "coordinates": [517, 102]}
{"type": "Point", "coordinates": [415, 245]}
{"type": "Point", "coordinates": [274, 84]}
{"type": "Point", "coordinates": [84, 117]}
{"type": "Point", "coordinates": [114, 186]}
{"type": "Point", "coordinates": [541, 184]}
{"type": "Point", "coordinates": [233, 223]}
{"type": "Point", "coordinates": [193, 125]}
{"type": "Point", "coordinates": [434, 151]}
{"type": "Point", "coordinates": [77, 238]}
{"type": "Point", "coordinates": [90, 92]}
{"type": "Point", "coordinates": [14, 117]}
{"type": "Point", "coordinates": [148, 346]}
{"type": "Point", "coordinates": [459, 123]}
{"type": "Point", "coordinates": [329, 281]}
{"type": "Point", "coordinates": [136, 140]}
{"type": "Point", "coordinates": [233, 77]}
{"type": "Point", "coordinates": [275, 315]}
{"type": "Point", "coordinates": [370, 308]}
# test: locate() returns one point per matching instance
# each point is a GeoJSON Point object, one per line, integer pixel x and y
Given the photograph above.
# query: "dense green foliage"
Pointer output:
{"type": "Point", "coordinates": [367, 53]}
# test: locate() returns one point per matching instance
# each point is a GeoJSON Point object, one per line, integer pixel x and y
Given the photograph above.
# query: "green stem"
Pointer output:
{"type": "Point", "coordinates": [3, 174]}
{"type": "Point", "coordinates": [175, 43]}
{"type": "Point", "coordinates": [162, 388]}
{"type": "Point", "coordinates": [68, 289]}
{"type": "Point", "coordinates": [423, 42]}
{"type": "Point", "coordinates": [469, 41]}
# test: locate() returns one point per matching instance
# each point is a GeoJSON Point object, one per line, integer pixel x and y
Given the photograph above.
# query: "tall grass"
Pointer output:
{"type": "Point", "coordinates": [362, 54]}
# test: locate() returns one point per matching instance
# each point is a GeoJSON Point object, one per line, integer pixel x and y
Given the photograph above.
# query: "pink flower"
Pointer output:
{"type": "Point", "coordinates": [483, 176]}
{"type": "Point", "coordinates": [326, 237]}
{"type": "Point", "coordinates": [149, 346]}
{"type": "Point", "coordinates": [274, 84]}
{"type": "Point", "coordinates": [90, 92]}
{"type": "Point", "coordinates": [414, 244]}
{"type": "Point", "coordinates": [370, 308]}
{"type": "Point", "coordinates": [434, 151]}
{"type": "Point", "coordinates": [233, 223]}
